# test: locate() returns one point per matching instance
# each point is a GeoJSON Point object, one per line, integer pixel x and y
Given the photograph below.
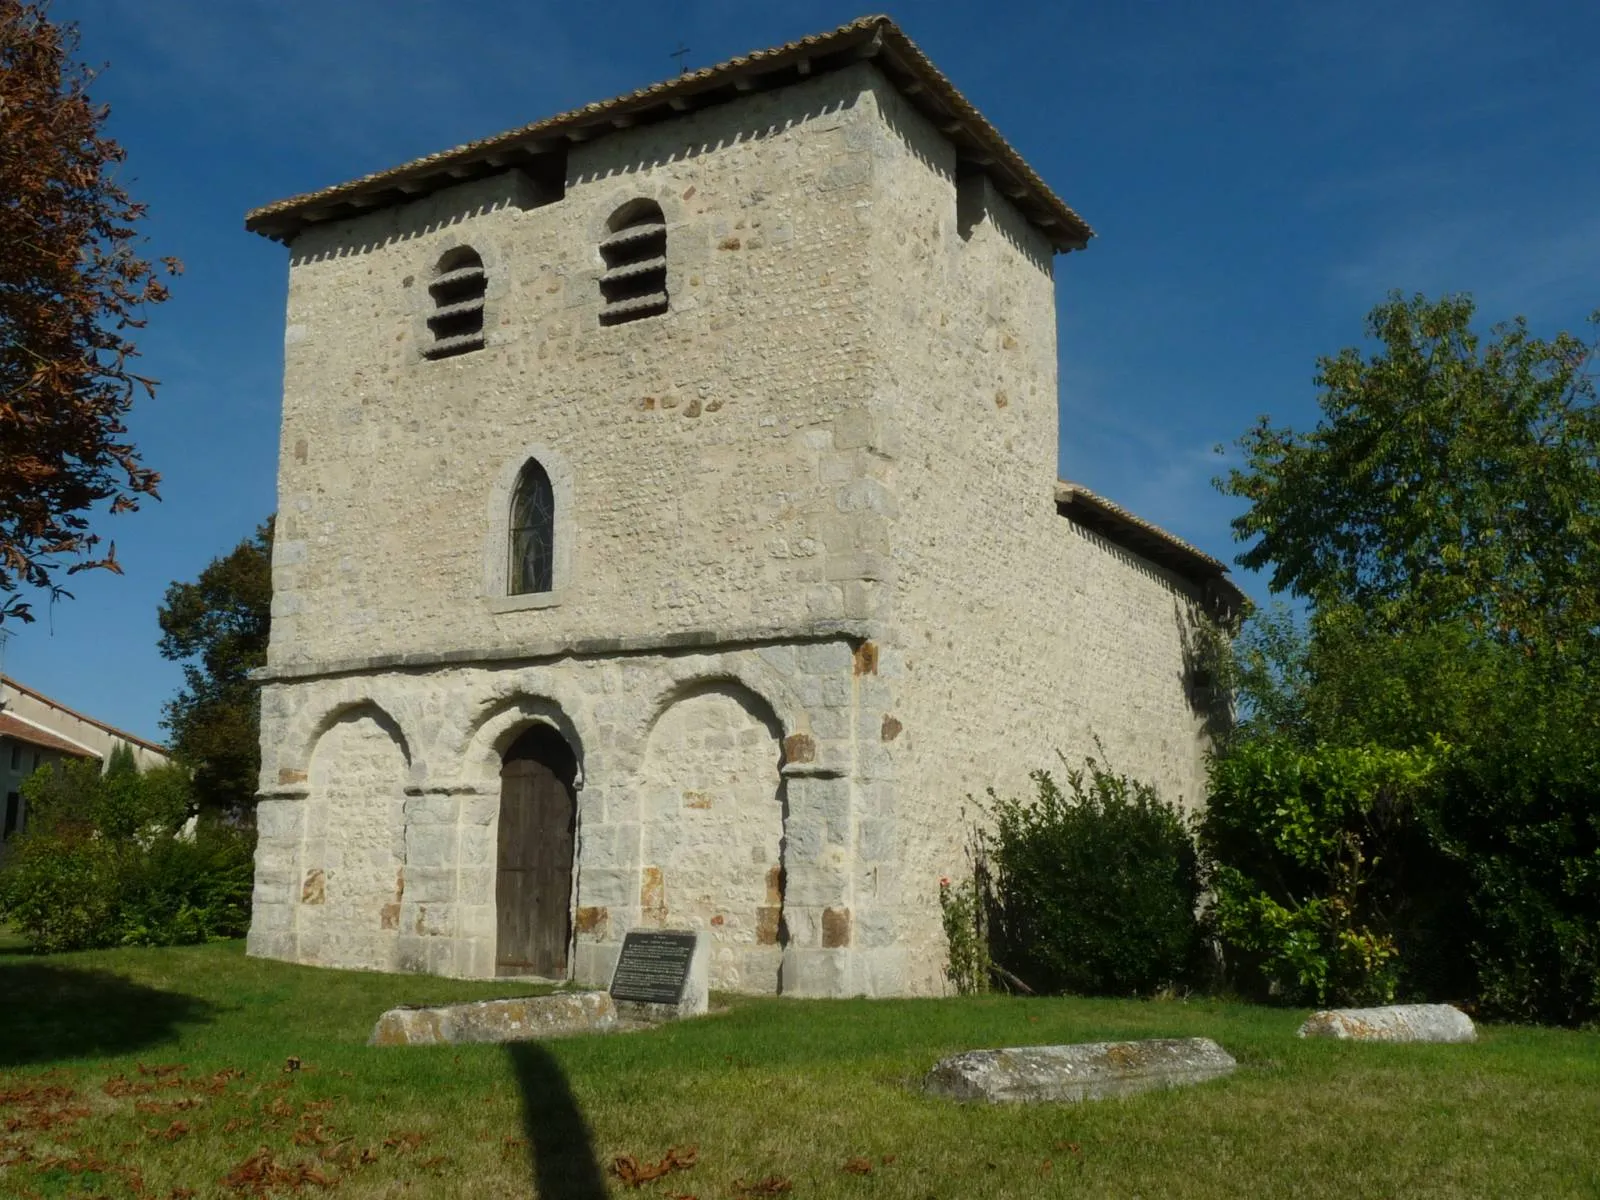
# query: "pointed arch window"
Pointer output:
{"type": "Point", "coordinates": [634, 285]}
{"type": "Point", "coordinates": [533, 525]}
{"type": "Point", "coordinates": [458, 289]}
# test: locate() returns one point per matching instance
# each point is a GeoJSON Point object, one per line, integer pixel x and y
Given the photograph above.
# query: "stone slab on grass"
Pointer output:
{"type": "Point", "coordinates": [1086, 1071]}
{"type": "Point", "coordinates": [522, 1019]}
{"type": "Point", "coordinates": [1393, 1023]}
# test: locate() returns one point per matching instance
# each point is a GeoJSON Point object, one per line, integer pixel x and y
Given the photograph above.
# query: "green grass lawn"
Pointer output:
{"type": "Point", "coordinates": [161, 1073]}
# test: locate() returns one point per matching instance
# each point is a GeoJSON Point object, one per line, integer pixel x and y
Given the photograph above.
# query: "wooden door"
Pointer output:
{"type": "Point", "coordinates": [533, 887]}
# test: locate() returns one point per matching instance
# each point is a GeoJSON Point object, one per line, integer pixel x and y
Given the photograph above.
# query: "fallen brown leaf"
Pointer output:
{"type": "Point", "coordinates": [857, 1166]}
{"type": "Point", "coordinates": [119, 1086]}
{"type": "Point", "coordinates": [162, 1069]}
{"type": "Point", "coordinates": [633, 1173]}
{"type": "Point", "coordinates": [772, 1185]}
{"type": "Point", "coordinates": [261, 1173]}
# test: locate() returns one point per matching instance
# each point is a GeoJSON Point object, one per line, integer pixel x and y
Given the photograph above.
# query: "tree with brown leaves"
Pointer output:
{"type": "Point", "coordinates": [72, 290]}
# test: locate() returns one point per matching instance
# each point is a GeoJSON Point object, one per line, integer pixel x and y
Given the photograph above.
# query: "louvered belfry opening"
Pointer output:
{"type": "Point", "coordinates": [458, 288]}
{"type": "Point", "coordinates": [634, 285]}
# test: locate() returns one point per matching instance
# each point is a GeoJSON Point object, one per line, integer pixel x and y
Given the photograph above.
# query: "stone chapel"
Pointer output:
{"type": "Point", "coordinates": [669, 535]}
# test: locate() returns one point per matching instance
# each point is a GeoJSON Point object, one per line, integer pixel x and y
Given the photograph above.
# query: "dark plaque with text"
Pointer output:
{"type": "Point", "coordinates": [653, 967]}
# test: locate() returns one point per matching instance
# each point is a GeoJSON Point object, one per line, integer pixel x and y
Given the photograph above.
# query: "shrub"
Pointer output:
{"type": "Point", "coordinates": [101, 863]}
{"type": "Point", "coordinates": [1520, 814]}
{"type": "Point", "coordinates": [1094, 888]}
{"type": "Point", "coordinates": [189, 889]}
{"type": "Point", "coordinates": [966, 934]}
{"type": "Point", "coordinates": [1306, 851]}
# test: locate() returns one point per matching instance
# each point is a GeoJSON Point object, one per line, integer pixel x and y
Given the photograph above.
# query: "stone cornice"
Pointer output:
{"type": "Point", "coordinates": [555, 649]}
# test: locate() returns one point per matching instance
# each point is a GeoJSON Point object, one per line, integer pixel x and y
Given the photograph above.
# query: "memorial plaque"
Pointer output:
{"type": "Point", "coordinates": [653, 967]}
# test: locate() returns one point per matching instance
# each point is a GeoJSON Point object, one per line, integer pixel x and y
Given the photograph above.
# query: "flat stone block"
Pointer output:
{"type": "Point", "coordinates": [1086, 1071]}
{"type": "Point", "coordinates": [523, 1019]}
{"type": "Point", "coordinates": [1392, 1023]}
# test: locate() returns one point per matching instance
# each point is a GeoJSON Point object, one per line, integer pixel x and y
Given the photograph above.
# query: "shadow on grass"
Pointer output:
{"type": "Point", "coordinates": [51, 1013]}
{"type": "Point", "coordinates": [559, 1150]}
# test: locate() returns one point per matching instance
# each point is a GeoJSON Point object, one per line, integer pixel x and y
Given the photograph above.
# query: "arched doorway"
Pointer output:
{"type": "Point", "coordinates": [533, 879]}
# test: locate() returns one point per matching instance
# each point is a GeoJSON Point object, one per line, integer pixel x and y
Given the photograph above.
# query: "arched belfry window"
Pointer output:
{"type": "Point", "coordinates": [458, 287]}
{"type": "Point", "coordinates": [634, 249]}
{"type": "Point", "coordinates": [533, 527]}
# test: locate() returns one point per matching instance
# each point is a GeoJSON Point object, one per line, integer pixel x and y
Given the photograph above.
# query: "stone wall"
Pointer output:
{"type": "Point", "coordinates": [714, 793]}
{"type": "Point", "coordinates": [1012, 633]}
{"type": "Point", "coordinates": [700, 449]}
{"type": "Point", "coordinates": [711, 831]}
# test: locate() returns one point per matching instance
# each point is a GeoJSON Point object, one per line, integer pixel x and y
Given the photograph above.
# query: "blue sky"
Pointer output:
{"type": "Point", "coordinates": [1260, 174]}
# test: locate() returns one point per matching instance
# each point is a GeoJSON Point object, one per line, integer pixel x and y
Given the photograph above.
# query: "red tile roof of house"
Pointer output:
{"type": "Point", "coordinates": [132, 738]}
{"type": "Point", "coordinates": [27, 731]}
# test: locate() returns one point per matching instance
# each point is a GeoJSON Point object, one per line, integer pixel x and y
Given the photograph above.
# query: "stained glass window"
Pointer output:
{"type": "Point", "coordinates": [533, 527]}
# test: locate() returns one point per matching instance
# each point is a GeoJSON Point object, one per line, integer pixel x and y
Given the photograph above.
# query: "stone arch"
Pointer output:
{"type": "Point", "coordinates": [353, 847]}
{"type": "Point", "coordinates": [491, 735]}
{"type": "Point", "coordinates": [768, 686]}
{"type": "Point", "coordinates": [713, 809]}
{"type": "Point", "coordinates": [311, 724]}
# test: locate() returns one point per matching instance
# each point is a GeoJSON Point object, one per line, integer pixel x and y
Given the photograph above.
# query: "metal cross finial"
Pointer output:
{"type": "Point", "coordinates": [680, 53]}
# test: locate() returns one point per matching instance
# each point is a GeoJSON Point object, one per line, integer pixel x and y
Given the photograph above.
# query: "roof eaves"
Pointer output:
{"type": "Point", "coordinates": [31, 732]}
{"type": "Point", "coordinates": [133, 738]}
{"type": "Point", "coordinates": [868, 37]}
{"type": "Point", "coordinates": [1149, 540]}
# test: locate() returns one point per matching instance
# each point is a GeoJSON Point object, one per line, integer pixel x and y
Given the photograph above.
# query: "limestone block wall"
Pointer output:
{"type": "Point", "coordinates": [696, 455]}
{"type": "Point", "coordinates": [1011, 633]}
{"type": "Point", "coordinates": [716, 791]}
{"type": "Point", "coordinates": [711, 825]}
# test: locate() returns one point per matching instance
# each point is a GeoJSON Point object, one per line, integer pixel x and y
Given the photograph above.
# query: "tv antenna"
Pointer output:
{"type": "Point", "coordinates": [680, 54]}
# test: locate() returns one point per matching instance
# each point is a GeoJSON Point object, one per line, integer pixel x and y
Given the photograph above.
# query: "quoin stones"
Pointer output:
{"type": "Point", "coordinates": [1085, 1071]}
{"type": "Point", "coordinates": [653, 551]}
{"type": "Point", "coordinates": [1394, 1023]}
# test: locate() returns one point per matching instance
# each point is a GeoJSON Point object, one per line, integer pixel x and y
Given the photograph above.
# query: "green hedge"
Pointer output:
{"type": "Point", "coordinates": [102, 863]}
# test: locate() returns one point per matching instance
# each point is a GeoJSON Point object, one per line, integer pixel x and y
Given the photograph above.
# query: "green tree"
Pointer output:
{"type": "Point", "coordinates": [1442, 523]}
{"type": "Point", "coordinates": [1450, 478]}
{"type": "Point", "coordinates": [217, 627]}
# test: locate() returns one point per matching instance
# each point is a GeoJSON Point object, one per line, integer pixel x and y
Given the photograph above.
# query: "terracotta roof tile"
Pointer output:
{"type": "Point", "coordinates": [131, 738]}
{"type": "Point", "coordinates": [878, 37]}
{"type": "Point", "coordinates": [26, 731]}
